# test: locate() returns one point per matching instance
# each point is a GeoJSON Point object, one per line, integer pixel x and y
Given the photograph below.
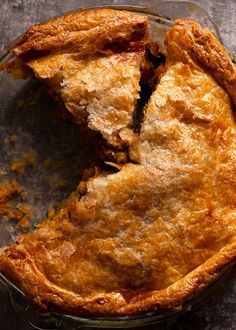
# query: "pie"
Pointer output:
{"type": "Point", "coordinates": [161, 228]}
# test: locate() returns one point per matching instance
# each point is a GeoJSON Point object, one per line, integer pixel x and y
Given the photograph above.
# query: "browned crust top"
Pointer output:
{"type": "Point", "coordinates": [17, 262]}
{"type": "Point", "coordinates": [83, 32]}
{"type": "Point", "coordinates": [187, 40]}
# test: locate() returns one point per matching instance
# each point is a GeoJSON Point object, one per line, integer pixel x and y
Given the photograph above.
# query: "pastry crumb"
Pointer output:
{"type": "Point", "coordinates": [8, 191]}
{"type": "Point", "coordinates": [2, 172]}
{"type": "Point", "coordinates": [51, 213]}
{"type": "Point", "coordinates": [17, 166]}
{"type": "Point", "coordinates": [13, 138]}
{"type": "Point", "coordinates": [11, 229]}
{"type": "Point", "coordinates": [24, 223]}
{"type": "Point", "coordinates": [29, 160]}
{"type": "Point", "coordinates": [9, 209]}
{"type": "Point", "coordinates": [48, 163]}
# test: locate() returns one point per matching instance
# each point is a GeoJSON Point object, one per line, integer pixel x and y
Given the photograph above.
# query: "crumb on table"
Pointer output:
{"type": "Point", "coordinates": [29, 160]}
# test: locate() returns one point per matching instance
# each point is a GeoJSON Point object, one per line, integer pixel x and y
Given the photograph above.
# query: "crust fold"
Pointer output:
{"type": "Point", "coordinates": [42, 292]}
{"type": "Point", "coordinates": [84, 32]}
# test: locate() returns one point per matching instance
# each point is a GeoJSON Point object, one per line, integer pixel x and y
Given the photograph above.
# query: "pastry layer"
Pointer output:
{"type": "Point", "coordinates": [188, 41]}
{"type": "Point", "coordinates": [100, 90]}
{"type": "Point", "coordinates": [84, 32]}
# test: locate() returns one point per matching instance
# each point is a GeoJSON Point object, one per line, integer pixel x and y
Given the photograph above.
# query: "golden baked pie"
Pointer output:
{"type": "Point", "coordinates": [163, 227]}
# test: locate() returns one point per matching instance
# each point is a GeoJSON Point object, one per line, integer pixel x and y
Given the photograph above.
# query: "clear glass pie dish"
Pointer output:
{"type": "Point", "coordinates": [35, 132]}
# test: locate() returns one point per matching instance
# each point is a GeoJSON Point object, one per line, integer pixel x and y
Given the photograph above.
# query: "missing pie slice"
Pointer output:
{"type": "Point", "coordinates": [162, 228]}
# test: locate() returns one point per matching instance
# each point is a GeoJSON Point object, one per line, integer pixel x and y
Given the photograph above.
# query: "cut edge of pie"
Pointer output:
{"type": "Point", "coordinates": [91, 62]}
{"type": "Point", "coordinates": [191, 51]}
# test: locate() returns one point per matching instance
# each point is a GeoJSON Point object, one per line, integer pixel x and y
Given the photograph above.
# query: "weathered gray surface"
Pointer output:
{"type": "Point", "coordinates": [220, 312]}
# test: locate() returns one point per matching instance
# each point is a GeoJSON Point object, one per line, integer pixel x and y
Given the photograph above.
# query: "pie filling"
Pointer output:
{"type": "Point", "coordinates": [162, 226]}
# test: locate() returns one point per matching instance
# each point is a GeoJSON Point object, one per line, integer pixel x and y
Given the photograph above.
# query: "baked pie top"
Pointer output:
{"type": "Point", "coordinates": [163, 227]}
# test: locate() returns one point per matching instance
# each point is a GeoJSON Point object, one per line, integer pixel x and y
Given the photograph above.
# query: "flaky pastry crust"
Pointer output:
{"type": "Point", "coordinates": [84, 32]}
{"type": "Point", "coordinates": [91, 62]}
{"type": "Point", "coordinates": [188, 40]}
{"type": "Point", "coordinates": [163, 227]}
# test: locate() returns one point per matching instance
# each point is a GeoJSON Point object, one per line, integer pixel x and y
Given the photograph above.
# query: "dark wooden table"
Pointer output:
{"type": "Point", "coordinates": [219, 313]}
